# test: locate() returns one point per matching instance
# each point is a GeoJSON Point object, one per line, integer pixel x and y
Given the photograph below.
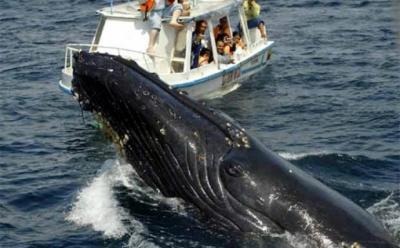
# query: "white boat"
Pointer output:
{"type": "Point", "coordinates": [122, 31]}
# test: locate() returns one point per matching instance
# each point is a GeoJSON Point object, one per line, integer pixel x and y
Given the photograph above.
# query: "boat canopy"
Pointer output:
{"type": "Point", "coordinates": [200, 11]}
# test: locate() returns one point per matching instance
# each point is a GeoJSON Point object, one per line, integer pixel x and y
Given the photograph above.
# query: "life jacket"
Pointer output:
{"type": "Point", "coordinates": [149, 5]}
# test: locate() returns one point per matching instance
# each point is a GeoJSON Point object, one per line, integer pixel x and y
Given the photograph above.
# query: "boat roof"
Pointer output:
{"type": "Point", "coordinates": [204, 9]}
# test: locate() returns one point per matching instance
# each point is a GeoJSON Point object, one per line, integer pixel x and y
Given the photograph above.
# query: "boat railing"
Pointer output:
{"type": "Point", "coordinates": [145, 60]}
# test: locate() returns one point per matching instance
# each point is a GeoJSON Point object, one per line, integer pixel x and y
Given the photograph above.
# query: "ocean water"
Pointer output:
{"type": "Point", "coordinates": [329, 102]}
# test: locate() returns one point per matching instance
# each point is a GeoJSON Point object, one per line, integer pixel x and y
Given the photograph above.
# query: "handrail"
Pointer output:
{"type": "Point", "coordinates": [73, 48]}
{"type": "Point", "coordinates": [72, 45]}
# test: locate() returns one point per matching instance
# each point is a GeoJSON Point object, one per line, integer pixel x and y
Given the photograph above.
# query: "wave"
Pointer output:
{"type": "Point", "coordinates": [97, 204]}
{"type": "Point", "coordinates": [97, 207]}
{"type": "Point", "coordinates": [313, 3]}
{"type": "Point", "coordinates": [297, 156]}
{"type": "Point", "coordinates": [319, 4]}
{"type": "Point", "coordinates": [361, 178]}
{"type": "Point", "coordinates": [387, 211]}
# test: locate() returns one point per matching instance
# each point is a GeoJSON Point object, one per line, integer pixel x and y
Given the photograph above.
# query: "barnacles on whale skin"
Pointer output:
{"type": "Point", "coordinates": [237, 136]}
{"type": "Point", "coordinates": [111, 134]}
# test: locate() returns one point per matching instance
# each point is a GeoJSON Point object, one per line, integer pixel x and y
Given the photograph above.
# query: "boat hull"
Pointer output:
{"type": "Point", "coordinates": [215, 84]}
{"type": "Point", "coordinates": [227, 79]}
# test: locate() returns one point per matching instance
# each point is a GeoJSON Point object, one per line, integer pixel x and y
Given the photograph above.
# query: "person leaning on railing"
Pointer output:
{"type": "Point", "coordinates": [252, 11]}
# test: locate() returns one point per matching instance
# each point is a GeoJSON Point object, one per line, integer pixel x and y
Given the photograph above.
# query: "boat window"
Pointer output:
{"type": "Point", "coordinates": [223, 38]}
{"type": "Point", "coordinates": [239, 37]}
{"type": "Point", "coordinates": [222, 35]}
{"type": "Point", "coordinates": [231, 39]}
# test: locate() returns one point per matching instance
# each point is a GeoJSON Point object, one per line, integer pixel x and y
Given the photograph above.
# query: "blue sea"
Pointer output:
{"type": "Point", "coordinates": [329, 102]}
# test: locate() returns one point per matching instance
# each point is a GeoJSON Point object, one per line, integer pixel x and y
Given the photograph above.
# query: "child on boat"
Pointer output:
{"type": "Point", "coordinates": [204, 58]}
{"type": "Point", "coordinates": [252, 12]}
{"type": "Point", "coordinates": [161, 9]}
{"type": "Point", "coordinates": [239, 46]}
{"type": "Point", "coordinates": [237, 40]}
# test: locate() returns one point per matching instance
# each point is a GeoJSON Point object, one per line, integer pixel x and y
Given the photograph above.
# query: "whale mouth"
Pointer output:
{"type": "Point", "coordinates": [268, 226]}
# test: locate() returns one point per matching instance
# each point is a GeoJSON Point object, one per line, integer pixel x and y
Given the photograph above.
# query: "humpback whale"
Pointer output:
{"type": "Point", "coordinates": [188, 150]}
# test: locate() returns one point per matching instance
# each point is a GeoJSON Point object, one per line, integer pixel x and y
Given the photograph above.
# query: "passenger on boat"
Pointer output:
{"type": "Point", "coordinates": [237, 40]}
{"type": "Point", "coordinates": [162, 9]}
{"type": "Point", "coordinates": [222, 27]}
{"type": "Point", "coordinates": [204, 58]}
{"type": "Point", "coordinates": [252, 11]}
{"type": "Point", "coordinates": [239, 46]}
{"type": "Point", "coordinates": [223, 58]}
{"type": "Point", "coordinates": [199, 41]}
{"type": "Point", "coordinates": [185, 6]}
{"type": "Point", "coordinates": [228, 45]}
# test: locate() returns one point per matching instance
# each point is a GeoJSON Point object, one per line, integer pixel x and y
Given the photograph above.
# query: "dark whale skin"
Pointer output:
{"type": "Point", "coordinates": [188, 150]}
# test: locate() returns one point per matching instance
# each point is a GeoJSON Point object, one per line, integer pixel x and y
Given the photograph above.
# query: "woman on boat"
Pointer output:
{"type": "Point", "coordinates": [252, 11]}
{"type": "Point", "coordinates": [239, 45]}
{"type": "Point", "coordinates": [237, 40]}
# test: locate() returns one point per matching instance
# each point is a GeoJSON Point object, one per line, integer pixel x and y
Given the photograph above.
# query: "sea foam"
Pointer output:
{"type": "Point", "coordinates": [387, 211]}
{"type": "Point", "coordinates": [296, 156]}
{"type": "Point", "coordinates": [97, 207]}
{"type": "Point", "coordinates": [96, 204]}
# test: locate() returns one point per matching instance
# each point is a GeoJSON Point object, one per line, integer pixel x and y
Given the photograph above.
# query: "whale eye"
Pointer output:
{"type": "Point", "coordinates": [235, 170]}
